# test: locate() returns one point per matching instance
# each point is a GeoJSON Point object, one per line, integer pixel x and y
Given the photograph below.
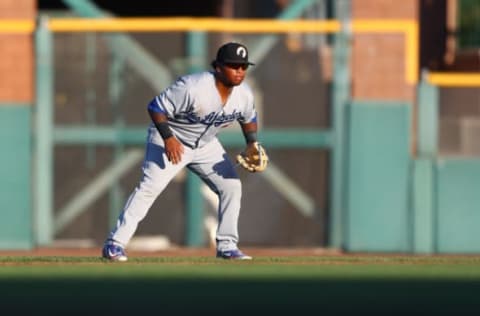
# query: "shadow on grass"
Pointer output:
{"type": "Point", "coordinates": [94, 296]}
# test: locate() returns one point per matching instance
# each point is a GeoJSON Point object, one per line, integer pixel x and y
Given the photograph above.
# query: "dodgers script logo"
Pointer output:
{"type": "Point", "coordinates": [214, 118]}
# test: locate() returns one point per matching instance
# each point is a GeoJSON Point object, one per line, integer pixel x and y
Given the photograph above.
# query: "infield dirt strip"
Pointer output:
{"type": "Point", "coordinates": [265, 255]}
{"type": "Point", "coordinates": [175, 252]}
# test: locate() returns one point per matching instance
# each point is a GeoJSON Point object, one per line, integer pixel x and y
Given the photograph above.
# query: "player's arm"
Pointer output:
{"type": "Point", "coordinates": [173, 147]}
{"type": "Point", "coordinates": [249, 132]}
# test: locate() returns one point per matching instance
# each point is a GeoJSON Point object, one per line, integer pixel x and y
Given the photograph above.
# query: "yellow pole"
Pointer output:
{"type": "Point", "coordinates": [454, 79]}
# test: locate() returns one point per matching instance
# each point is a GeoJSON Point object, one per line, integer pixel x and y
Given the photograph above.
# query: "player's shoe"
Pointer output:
{"type": "Point", "coordinates": [114, 252]}
{"type": "Point", "coordinates": [235, 254]}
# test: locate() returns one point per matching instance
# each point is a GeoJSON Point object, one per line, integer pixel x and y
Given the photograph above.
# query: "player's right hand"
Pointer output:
{"type": "Point", "coordinates": [173, 149]}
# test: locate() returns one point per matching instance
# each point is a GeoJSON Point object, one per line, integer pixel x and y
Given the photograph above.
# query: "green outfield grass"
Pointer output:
{"type": "Point", "coordinates": [324, 285]}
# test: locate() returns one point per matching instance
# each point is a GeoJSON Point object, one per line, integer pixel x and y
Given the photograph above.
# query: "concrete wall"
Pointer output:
{"type": "Point", "coordinates": [17, 63]}
{"type": "Point", "coordinates": [380, 57]}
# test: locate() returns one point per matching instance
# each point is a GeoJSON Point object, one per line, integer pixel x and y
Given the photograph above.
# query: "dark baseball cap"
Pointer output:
{"type": "Point", "coordinates": [232, 53]}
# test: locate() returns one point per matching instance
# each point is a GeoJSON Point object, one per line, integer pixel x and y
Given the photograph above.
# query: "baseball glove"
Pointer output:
{"type": "Point", "coordinates": [254, 158]}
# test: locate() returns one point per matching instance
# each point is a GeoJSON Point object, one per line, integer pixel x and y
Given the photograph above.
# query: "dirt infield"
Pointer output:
{"type": "Point", "coordinates": [174, 252]}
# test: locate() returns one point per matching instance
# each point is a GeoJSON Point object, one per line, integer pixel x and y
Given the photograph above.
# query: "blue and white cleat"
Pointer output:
{"type": "Point", "coordinates": [234, 254]}
{"type": "Point", "coordinates": [114, 252]}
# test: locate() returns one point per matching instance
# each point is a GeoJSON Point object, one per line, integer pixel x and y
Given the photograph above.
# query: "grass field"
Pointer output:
{"type": "Point", "coordinates": [322, 285]}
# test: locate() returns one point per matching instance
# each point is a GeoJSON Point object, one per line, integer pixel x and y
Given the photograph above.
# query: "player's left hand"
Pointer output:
{"type": "Point", "coordinates": [254, 158]}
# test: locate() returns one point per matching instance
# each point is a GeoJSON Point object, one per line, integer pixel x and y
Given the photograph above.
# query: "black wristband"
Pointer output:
{"type": "Point", "coordinates": [163, 129]}
{"type": "Point", "coordinates": [250, 137]}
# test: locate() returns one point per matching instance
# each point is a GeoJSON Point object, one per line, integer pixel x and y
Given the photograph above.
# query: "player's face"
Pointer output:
{"type": "Point", "coordinates": [234, 74]}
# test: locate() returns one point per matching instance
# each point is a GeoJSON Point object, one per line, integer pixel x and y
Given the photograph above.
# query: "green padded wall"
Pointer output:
{"type": "Point", "coordinates": [15, 171]}
{"type": "Point", "coordinates": [458, 206]}
{"type": "Point", "coordinates": [423, 205]}
{"type": "Point", "coordinates": [378, 172]}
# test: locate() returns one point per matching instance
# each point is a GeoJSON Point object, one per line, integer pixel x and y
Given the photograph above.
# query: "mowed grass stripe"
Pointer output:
{"type": "Point", "coordinates": [390, 285]}
{"type": "Point", "coordinates": [263, 268]}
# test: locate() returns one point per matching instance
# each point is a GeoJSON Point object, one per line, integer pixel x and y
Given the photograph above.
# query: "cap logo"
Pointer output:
{"type": "Point", "coordinates": [241, 51]}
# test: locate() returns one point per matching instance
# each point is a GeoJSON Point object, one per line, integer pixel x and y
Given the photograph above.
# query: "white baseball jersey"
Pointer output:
{"type": "Point", "coordinates": [195, 111]}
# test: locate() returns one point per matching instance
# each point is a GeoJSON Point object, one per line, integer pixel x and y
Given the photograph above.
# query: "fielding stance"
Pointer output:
{"type": "Point", "coordinates": [186, 118]}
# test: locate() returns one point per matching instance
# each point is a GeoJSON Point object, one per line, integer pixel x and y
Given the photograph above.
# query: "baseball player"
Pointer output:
{"type": "Point", "coordinates": [186, 118]}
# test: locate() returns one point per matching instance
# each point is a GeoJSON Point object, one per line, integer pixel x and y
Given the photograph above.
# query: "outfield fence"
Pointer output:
{"type": "Point", "coordinates": [95, 75]}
